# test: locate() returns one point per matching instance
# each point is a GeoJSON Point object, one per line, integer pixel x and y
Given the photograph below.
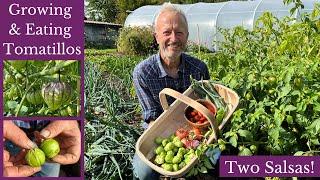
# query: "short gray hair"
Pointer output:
{"type": "Point", "coordinates": [168, 7]}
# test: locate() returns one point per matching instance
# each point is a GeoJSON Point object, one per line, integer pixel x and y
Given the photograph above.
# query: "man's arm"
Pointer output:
{"type": "Point", "coordinates": [150, 107]}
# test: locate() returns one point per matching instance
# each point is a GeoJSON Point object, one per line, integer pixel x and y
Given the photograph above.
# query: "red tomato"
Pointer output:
{"type": "Point", "coordinates": [197, 133]}
{"type": "Point", "coordinates": [199, 122]}
{"type": "Point", "coordinates": [182, 133]}
{"type": "Point", "coordinates": [210, 108]}
{"type": "Point", "coordinates": [193, 113]}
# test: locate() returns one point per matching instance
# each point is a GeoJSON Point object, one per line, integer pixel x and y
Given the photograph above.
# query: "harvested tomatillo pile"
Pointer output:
{"type": "Point", "coordinates": [36, 157]}
{"type": "Point", "coordinates": [176, 151]}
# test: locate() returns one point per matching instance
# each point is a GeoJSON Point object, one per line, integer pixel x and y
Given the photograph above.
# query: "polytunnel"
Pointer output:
{"type": "Point", "coordinates": [204, 19]}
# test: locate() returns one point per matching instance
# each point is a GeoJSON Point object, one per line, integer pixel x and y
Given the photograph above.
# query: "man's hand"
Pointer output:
{"type": "Point", "coordinates": [14, 166]}
{"type": "Point", "coordinates": [67, 133]}
{"type": "Point", "coordinates": [16, 135]}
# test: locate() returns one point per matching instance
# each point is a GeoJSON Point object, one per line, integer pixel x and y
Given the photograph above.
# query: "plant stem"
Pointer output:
{"type": "Point", "coordinates": [53, 70]}
{"type": "Point", "coordinates": [24, 97]}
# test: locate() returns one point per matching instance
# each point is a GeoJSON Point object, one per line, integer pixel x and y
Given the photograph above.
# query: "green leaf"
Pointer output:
{"type": "Point", "coordinates": [315, 141]}
{"type": "Point", "coordinates": [207, 163]}
{"type": "Point", "coordinates": [191, 172]}
{"type": "Point", "coordinates": [274, 133]}
{"type": "Point", "coordinates": [12, 104]}
{"type": "Point", "coordinates": [288, 75]}
{"type": "Point", "coordinates": [228, 134]}
{"type": "Point", "coordinates": [23, 110]}
{"type": "Point", "coordinates": [285, 91]}
{"type": "Point", "coordinates": [315, 125]}
{"type": "Point", "coordinates": [233, 140]}
{"type": "Point", "coordinates": [295, 92]}
{"type": "Point", "coordinates": [198, 152]}
{"type": "Point", "coordinates": [203, 169]}
{"type": "Point", "coordinates": [246, 134]}
{"type": "Point", "coordinates": [316, 12]}
{"type": "Point", "coordinates": [278, 118]}
{"type": "Point", "coordinates": [316, 107]}
{"type": "Point", "coordinates": [245, 152]}
{"type": "Point", "coordinates": [301, 106]}
{"type": "Point", "coordinates": [290, 108]}
{"type": "Point", "coordinates": [299, 153]}
{"type": "Point", "coordinates": [196, 171]}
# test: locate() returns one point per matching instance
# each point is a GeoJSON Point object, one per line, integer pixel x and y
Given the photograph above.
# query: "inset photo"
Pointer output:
{"type": "Point", "coordinates": [41, 88]}
{"type": "Point", "coordinates": [41, 148]}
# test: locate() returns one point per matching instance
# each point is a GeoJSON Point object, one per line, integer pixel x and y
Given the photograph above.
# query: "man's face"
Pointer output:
{"type": "Point", "coordinates": [171, 34]}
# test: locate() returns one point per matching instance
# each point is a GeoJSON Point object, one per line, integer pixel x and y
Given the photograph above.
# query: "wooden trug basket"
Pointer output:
{"type": "Point", "coordinates": [173, 118]}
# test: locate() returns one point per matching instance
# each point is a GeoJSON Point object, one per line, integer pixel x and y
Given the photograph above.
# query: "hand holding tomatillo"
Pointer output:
{"type": "Point", "coordinates": [15, 166]}
{"type": "Point", "coordinates": [68, 135]}
{"type": "Point", "coordinates": [48, 148]}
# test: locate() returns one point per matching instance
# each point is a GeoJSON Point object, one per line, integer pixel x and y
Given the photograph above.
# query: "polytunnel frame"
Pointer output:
{"type": "Point", "coordinates": [215, 20]}
{"type": "Point", "coordinates": [253, 19]}
{"type": "Point", "coordinates": [186, 14]}
{"type": "Point", "coordinates": [216, 27]}
{"type": "Point", "coordinates": [255, 10]}
{"type": "Point", "coordinates": [153, 21]}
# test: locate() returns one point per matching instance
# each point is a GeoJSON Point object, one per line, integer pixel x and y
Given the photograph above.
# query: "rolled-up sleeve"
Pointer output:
{"type": "Point", "coordinates": [150, 107]}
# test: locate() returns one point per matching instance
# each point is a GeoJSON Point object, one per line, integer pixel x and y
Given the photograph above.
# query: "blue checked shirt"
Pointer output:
{"type": "Point", "coordinates": [149, 78]}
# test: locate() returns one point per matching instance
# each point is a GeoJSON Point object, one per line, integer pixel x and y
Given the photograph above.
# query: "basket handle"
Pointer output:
{"type": "Point", "coordinates": [188, 101]}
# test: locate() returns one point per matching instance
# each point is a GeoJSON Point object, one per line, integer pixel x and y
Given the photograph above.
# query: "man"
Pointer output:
{"type": "Point", "coordinates": [170, 68]}
{"type": "Point", "coordinates": [67, 133]}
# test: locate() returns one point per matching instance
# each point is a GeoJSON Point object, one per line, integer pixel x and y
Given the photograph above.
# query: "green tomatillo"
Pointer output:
{"type": "Point", "coordinates": [50, 147]}
{"type": "Point", "coordinates": [35, 157]}
{"type": "Point", "coordinates": [56, 94]}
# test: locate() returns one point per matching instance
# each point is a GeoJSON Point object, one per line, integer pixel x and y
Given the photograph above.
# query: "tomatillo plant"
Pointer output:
{"type": "Point", "coordinates": [41, 88]}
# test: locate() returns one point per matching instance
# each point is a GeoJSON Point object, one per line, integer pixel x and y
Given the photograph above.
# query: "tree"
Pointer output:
{"type": "Point", "coordinates": [128, 5]}
{"type": "Point", "coordinates": [102, 10]}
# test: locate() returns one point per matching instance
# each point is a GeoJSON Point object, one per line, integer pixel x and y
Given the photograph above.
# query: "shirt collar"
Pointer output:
{"type": "Point", "coordinates": [163, 73]}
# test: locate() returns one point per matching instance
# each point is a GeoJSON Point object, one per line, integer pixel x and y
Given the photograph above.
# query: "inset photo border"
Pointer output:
{"type": "Point", "coordinates": [42, 148]}
{"type": "Point", "coordinates": [42, 88]}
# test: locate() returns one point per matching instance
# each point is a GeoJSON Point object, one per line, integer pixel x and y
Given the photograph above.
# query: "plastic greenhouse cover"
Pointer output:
{"type": "Point", "coordinates": [205, 18]}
